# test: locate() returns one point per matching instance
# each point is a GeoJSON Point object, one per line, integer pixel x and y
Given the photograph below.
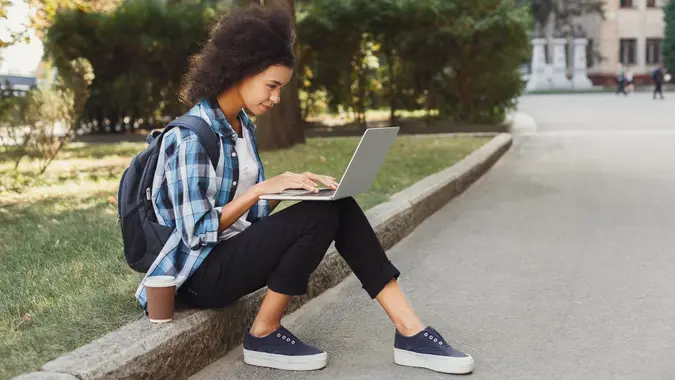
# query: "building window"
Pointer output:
{"type": "Point", "coordinates": [627, 51]}
{"type": "Point", "coordinates": [626, 3]}
{"type": "Point", "coordinates": [654, 50]}
{"type": "Point", "coordinates": [590, 55]}
{"type": "Point", "coordinates": [656, 3]}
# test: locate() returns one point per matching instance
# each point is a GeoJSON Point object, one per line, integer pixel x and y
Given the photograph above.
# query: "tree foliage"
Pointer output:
{"type": "Point", "coordinates": [40, 122]}
{"type": "Point", "coordinates": [45, 11]}
{"type": "Point", "coordinates": [139, 53]}
{"type": "Point", "coordinates": [669, 38]}
{"type": "Point", "coordinates": [459, 57]}
{"type": "Point", "coordinates": [564, 13]}
{"type": "Point", "coordinates": [11, 36]}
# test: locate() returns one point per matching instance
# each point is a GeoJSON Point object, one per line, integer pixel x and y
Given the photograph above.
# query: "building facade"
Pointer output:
{"type": "Point", "coordinates": [18, 84]}
{"type": "Point", "coordinates": [631, 35]}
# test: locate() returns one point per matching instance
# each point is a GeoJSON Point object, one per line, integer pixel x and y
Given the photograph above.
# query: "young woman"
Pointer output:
{"type": "Point", "coordinates": [226, 245]}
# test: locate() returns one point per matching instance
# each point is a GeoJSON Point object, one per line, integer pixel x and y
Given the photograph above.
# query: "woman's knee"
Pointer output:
{"type": "Point", "coordinates": [321, 214]}
{"type": "Point", "coordinates": [347, 202]}
{"type": "Point", "coordinates": [347, 207]}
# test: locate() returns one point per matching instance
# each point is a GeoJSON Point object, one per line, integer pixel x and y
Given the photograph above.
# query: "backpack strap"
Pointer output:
{"type": "Point", "coordinates": [203, 130]}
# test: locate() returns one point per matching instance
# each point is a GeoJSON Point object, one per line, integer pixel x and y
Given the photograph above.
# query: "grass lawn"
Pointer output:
{"type": "Point", "coordinates": [64, 280]}
{"type": "Point", "coordinates": [329, 119]}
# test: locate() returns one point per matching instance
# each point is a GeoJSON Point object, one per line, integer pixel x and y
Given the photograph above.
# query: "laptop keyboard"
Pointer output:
{"type": "Point", "coordinates": [320, 193]}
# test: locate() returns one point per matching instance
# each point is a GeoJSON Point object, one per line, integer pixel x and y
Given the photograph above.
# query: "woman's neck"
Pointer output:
{"type": "Point", "coordinates": [230, 103]}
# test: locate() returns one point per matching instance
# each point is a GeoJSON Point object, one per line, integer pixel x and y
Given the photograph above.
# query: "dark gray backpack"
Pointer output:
{"type": "Point", "coordinates": [143, 237]}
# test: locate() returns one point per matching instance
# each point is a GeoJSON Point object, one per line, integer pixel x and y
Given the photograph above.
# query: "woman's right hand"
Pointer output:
{"type": "Point", "coordinates": [286, 181]}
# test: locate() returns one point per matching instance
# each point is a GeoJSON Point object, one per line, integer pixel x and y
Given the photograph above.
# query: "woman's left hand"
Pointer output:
{"type": "Point", "coordinates": [328, 181]}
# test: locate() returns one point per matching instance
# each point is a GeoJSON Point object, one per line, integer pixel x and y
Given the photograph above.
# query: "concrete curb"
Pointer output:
{"type": "Point", "coordinates": [45, 376]}
{"type": "Point", "coordinates": [142, 350]}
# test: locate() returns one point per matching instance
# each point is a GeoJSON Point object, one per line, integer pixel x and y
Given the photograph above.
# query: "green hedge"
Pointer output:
{"type": "Point", "coordinates": [459, 57]}
{"type": "Point", "coordinates": [669, 38]}
{"type": "Point", "coordinates": [139, 54]}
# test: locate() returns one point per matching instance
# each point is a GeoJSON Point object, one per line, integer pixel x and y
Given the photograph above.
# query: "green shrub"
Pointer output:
{"type": "Point", "coordinates": [138, 52]}
{"type": "Point", "coordinates": [456, 56]}
{"type": "Point", "coordinates": [669, 38]}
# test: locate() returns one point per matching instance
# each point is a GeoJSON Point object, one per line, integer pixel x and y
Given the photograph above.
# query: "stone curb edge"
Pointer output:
{"type": "Point", "coordinates": [195, 338]}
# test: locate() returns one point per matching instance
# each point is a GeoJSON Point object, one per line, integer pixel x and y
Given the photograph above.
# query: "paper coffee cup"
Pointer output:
{"type": "Point", "coordinates": [160, 292]}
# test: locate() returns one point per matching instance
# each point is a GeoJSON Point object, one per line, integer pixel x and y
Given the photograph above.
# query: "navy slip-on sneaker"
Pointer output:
{"type": "Point", "coordinates": [282, 350]}
{"type": "Point", "coordinates": [428, 349]}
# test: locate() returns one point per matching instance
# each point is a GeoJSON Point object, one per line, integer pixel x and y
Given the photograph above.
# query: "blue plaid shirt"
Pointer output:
{"type": "Point", "coordinates": [188, 193]}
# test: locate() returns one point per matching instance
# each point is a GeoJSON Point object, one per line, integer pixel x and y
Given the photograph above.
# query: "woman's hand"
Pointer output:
{"type": "Point", "coordinates": [286, 181]}
{"type": "Point", "coordinates": [326, 180]}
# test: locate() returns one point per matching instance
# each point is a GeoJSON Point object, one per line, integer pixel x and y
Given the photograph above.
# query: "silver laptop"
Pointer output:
{"type": "Point", "coordinates": [360, 173]}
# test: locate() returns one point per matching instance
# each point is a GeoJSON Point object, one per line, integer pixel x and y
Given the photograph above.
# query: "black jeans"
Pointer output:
{"type": "Point", "coordinates": [658, 90]}
{"type": "Point", "coordinates": [621, 88]}
{"type": "Point", "coordinates": [281, 251]}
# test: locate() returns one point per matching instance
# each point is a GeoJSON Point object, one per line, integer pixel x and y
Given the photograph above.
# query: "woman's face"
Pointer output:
{"type": "Point", "coordinates": [261, 92]}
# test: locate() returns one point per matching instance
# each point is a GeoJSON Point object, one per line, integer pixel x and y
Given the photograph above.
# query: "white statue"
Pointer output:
{"type": "Point", "coordinates": [559, 78]}
{"type": "Point", "coordinates": [538, 79]}
{"type": "Point", "coordinates": [580, 78]}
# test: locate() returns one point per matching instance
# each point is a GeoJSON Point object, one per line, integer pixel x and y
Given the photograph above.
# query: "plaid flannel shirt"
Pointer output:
{"type": "Point", "coordinates": [188, 193]}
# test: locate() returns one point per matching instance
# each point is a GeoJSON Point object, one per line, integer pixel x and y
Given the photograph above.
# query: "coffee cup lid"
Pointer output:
{"type": "Point", "coordinates": [160, 281]}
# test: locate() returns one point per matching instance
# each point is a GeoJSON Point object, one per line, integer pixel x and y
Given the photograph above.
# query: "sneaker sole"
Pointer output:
{"type": "Point", "coordinates": [291, 363]}
{"type": "Point", "coordinates": [436, 363]}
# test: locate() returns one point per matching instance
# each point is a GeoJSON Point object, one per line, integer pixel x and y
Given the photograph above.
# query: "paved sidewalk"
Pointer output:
{"type": "Point", "coordinates": [557, 264]}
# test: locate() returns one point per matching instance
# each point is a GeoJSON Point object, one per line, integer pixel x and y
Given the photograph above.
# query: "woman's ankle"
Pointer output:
{"type": "Point", "coordinates": [260, 330]}
{"type": "Point", "coordinates": [269, 315]}
{"type": "Point", "coordinates": [409, 329]}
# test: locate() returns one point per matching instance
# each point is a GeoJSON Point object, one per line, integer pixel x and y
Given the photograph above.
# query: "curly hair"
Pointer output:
{"type": "Point", "coordinates": [245, 42]}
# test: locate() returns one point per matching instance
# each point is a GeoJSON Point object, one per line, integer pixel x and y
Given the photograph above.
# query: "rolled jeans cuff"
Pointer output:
{"type": "Point", "coordinates": [377, 282]}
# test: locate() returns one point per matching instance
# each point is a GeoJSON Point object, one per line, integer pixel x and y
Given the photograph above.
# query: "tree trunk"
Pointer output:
{"type": "Point", "coordinates": [281, 127]}
{"type": "Point", "coordinates": [427, 107]}
{"type": "Point", "coordinates": [308, 106]}
{"type": "Point", "coordinates": [393, 93]}
{"type": "Point", "coordinates": [361, 98]}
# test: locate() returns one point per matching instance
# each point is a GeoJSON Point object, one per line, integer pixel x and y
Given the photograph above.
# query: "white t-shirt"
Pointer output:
{"type": "Point", "coordinates": [248, 175]}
